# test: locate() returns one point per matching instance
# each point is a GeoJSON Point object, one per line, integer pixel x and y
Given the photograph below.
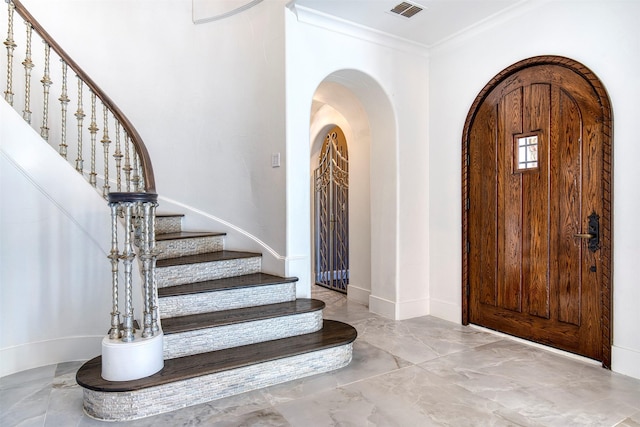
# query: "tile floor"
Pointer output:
{"type": "Point", "coordinates": [418, 372]}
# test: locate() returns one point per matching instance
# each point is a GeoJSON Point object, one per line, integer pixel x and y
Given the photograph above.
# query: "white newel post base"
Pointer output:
{"type": "Point", "coordinates": [125, 361]}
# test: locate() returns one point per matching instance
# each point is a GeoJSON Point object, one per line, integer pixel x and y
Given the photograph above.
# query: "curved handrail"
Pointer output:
{"type": "Point", "coordinates": [136, 139]}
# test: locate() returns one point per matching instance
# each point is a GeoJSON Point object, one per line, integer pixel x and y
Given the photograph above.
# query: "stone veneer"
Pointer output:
{"type": "Point", "coordinates": [168, 224]}
{"type": "Point", "coordinates": [191, 246]}
{"type": "Point", "coordinates": [189, 273]}
{"type": "Point", "coordinates": [183, 305]}
{"type": "Point", "coordinates": [153, 400]}
{"type": "Point", "coordinates": [235, 335]}
{"type": "Point", "coordinates": [131, 405]}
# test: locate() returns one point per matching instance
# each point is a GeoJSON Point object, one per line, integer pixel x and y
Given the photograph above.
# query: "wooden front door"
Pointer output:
{"type": "Point", "coordinates": [537, 207]}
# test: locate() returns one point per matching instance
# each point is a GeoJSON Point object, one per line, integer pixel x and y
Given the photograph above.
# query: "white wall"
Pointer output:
{"type": "Point", "coordinates": [391, 84]}
{"type": "Point", "coordinates": [604, 36]}
{"type": "Point", "coordinates": [55, 288]}
{"type": "Point", "coordinates": [207, 99]}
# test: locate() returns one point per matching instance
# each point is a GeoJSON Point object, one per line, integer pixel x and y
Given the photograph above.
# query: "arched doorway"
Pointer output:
{"type": "Point", "coordinates": [537, 153]}
{"type": "Point", "coordinates": [356, 103]}
{"type": "Point", "coordinates": [331, 213]}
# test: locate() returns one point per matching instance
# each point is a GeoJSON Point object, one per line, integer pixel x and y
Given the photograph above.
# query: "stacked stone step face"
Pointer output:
{"type": "Point", "coordinates": [205, 377]}
{"type": "Point", "coordinates": [211, 299]}
{"type": "Point", "coordinates": [168, 223]}
{"type": "Point", "coordinates": [228, 328]}
{"type": "Point", "coordinates": [220, 330]}
{"type": "Point", "coordinates": [177, 244]}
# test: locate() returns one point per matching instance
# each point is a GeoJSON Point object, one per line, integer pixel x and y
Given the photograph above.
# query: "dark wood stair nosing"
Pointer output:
{"type": "Point", "coordinates": [169, 215]}
{"type": "Point", "coordinates": [163, 237]}
{"type": "Point", "coordinates": [224, 255]}
{"type": "Point", "coordinates": [224, 284]}
{"type": "Point", "coordinates": [180, 324]}
{"type": "Point", "coordinates": [333, 334]}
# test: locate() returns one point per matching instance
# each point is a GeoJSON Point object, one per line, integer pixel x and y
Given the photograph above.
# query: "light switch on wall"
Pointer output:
{"type": "Point", "coordinates": [275, 160]}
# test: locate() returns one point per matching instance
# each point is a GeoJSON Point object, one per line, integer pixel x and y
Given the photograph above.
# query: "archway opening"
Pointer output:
{"type": "Point", "coordinates": [356, 103]}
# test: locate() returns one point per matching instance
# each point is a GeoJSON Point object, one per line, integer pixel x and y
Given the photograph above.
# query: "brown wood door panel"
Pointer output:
{"type": "Point", "coordinates": [485, 259]}
{"type": "Point", "coordinates": [527, 273]}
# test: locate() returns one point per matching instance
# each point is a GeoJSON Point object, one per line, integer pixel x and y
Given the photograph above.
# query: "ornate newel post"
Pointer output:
{"type": "Point", "coordinates": [129, 353]}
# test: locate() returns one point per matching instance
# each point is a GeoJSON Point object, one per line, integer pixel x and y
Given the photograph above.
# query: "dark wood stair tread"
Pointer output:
{"type": "Point", "coordinates": [168, 215]}
{"type": "Point", "coordinates": [186, 235]}
{"type": "Point", "coordinates": [332, 334]}
{"type": "Point", "coordinates": [206, 257]}
{"type": "Point", "coordinates": [192, 322]}
{"type": "Point", "coordinates": [237, 282]}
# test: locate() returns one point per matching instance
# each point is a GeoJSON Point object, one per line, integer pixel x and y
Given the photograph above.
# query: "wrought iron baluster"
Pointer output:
{"type": "Point", "coordinates": [127, 163]}
{"type": "Point", "coordinates": [105, 144]}
{"type": "Point", "coordinates": [145, 257]}
{"type": "Point", "coordinates": [153, 297]}
{"type": "Point", "coordinates": [46, 84]}
{"type": "Point", "coordinates": [117, 155]}
{"type": "Point", "coordinates": [80, 119]}
{"type": "Point", "coordinates": [140, 180]}
{"type": "Point", "coordinates": [64, 101]}
{"type": "Point", "coordinates": [93, 132]}
{"type": "Point", "coordinates": [28, 66]}
{"type": "Point", "coordinates": [127, 257]}
{"type": "Point", "coordinates": [10, 44]}
{"type": "Point", "coordinates": [114, 256]}
{"type": "Point", "coordinates": [135, 179]}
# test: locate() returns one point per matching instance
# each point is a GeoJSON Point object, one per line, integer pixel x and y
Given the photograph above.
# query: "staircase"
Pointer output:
{"type": "Point", "coordinates": [228, 329]}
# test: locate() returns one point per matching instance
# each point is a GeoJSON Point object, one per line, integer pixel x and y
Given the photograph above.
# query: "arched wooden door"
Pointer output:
{"type": "Point", "coordinates": [537, 207]}
{"type": "Point", "coordinates": [331, 181]}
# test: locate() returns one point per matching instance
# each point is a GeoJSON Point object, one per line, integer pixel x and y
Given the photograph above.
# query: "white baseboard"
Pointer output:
{"type": "Point", "coordinates": [411, 309]}
{"type": "Point", "coordinates": [398, 311]}
{"type": "Point", "coordinates": [43, 353]}
{"type": "Point", "coordinates": [383, 307]}
{"type": "Point", "coordinates": [445, 310]}
{"type": "Point", "coordinates": [625, 361]}
{"type": "Point", "coordinates": [358, 295]}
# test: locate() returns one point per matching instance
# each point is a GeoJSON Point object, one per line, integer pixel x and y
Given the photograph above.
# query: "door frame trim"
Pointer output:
{"type": "Point", "coordinates": [607, 185]}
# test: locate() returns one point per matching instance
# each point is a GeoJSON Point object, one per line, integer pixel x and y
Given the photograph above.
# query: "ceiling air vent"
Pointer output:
{"type": "Point", "coordinates": [406, 9]}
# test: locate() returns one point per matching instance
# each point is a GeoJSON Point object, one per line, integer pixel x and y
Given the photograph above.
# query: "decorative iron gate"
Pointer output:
{"type": "Point", "coordinates": [331, 180]}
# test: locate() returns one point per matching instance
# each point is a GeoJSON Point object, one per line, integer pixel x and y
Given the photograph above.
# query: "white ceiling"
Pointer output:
{"type": "Point", "coordinates": [439, 20]}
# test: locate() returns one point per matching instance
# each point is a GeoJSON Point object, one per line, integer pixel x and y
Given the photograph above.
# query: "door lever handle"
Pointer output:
{"type": "Point", "coordinates": [593, 235]}
{"type": "Point", "coordinates": [584, 235]}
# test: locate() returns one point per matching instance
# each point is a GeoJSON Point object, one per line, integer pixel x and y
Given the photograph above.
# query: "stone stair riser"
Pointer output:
{"type": "Point", "coordinates": [191, 246]}
{"type": "Point", "coordinates": [228, 336]}
{"type": "Point", "coordinates": [168, 224]}
{"type": "Point", "coordinates": [184, 305]}
{"type": "Point", "coordinates": [219, 354]}
{"type": "Point", "coordinates": [189, 273]}
{"type": "Point", "coordinates": [131, 405]}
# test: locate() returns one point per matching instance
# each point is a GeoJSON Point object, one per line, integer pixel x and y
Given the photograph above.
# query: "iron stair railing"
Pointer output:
{"type": "Point", "coordinates": [129, 167]}
{"type": "Point", "coordinates": [127, 170]}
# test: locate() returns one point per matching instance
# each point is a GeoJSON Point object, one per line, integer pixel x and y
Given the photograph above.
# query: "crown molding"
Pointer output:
{"type": "Point", "coordinates": [332, 23]}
